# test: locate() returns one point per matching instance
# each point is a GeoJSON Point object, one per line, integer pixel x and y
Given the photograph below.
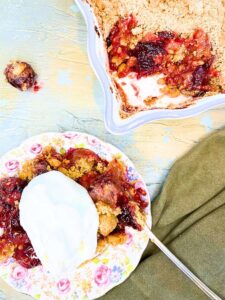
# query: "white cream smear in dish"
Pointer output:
{"type": "Point", "coordinates": [61, 221]}
{"type": "Point", "coordinates": [137, 90]}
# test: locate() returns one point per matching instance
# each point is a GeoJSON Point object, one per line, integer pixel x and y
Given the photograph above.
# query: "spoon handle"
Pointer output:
{"type": "Point", "coordinates": [182, 267]}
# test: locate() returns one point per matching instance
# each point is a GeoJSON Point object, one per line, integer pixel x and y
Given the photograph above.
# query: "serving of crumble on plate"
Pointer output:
{"type": "Point", "coordinates": [119, 194]}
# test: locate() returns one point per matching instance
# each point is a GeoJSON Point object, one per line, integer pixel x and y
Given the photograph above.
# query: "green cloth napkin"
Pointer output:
{"type": "Point", "coordinates": [189, 217]}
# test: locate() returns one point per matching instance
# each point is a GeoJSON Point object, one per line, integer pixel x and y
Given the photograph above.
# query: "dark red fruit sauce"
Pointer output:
{"type": "Point", "coordinates": [10, 193]}
{"type": "Point", "coordinates": [187, 62]}
{"type": "Point", "coordinates": [126, 219]}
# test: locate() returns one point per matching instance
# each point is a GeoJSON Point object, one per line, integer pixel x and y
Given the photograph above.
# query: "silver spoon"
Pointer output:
{"type": "Point", "coordinates": [181, 266]}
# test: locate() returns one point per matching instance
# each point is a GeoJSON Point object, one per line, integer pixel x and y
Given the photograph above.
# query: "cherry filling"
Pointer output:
{"type": "Point", "coordinates": [186, 62]}
{"type": "Point", "coordinates": [13, 234]}
{"type": "Point", "coordinates": [118, 40]}
{"type": "Point", "coordinates": [126, 218]}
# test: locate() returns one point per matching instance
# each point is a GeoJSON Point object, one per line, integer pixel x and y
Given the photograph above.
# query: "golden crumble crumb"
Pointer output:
{"type": "Point", "coordinates": [107, 223]}
{"type": "Point", "coordinates": [102, 245]}
{"type": "Point", "coordinates": [139, 216]}
{"type": "Point", "coordinates": [150, 100]}
{"type": "Point", "coordinates": [100, 167]}
{"type": "Point", "coordinates": [116, 239]}
{"type": "Point", "coordinates": [113, 240]}
{"type": "Point", "coordinates": [7, 251]}
{"type": "Point", "coordinates": [53, 162]}
{"type": "Point", "coordinates": [75, 172]}
{"type": "Point", "coordinates": [107, 217]}
{"type": "Point", "coordinates": [27, 172]}
{"type": "Point", "coordinates": [104, 208]}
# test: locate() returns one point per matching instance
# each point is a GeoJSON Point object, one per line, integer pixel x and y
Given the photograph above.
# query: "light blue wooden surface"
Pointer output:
{"type": "Point", "coordinates": [51, 35]}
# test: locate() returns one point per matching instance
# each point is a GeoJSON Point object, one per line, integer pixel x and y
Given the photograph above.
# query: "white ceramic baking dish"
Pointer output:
{"type": "Point", "coordinates": [99, 61]}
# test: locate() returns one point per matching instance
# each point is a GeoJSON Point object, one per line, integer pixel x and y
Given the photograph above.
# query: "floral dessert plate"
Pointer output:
{"type": "Point", "coordinates": [97, 276]}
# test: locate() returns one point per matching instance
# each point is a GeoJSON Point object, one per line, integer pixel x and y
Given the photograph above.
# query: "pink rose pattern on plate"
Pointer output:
{"type": "Point", "coordinates": [105, 275]}
{"type": "Point", "coordinates": [36, 149]}
{"type": "Point", "coordinates": [92, 141]}
{"type": "Point", "coordinates": [12, 165]}
{"type": "Point", "coordinates": [110, 269]}
{"type": "Point", "coordinates": [102, 275]}
{"type": "Point", "coordinates": [70, 135]}
{"type": "Point", "coordinates": [129, 240]}
{"type": "Point", "coordinates": [63, 286]}
{"type": "Point", "coordinates": [18, 272]}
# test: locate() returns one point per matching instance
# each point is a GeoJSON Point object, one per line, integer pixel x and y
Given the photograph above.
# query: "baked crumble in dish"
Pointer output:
{"type": "Point", "coordinates": [118, 202]}
{"type": "Point", "coordinates": [163, 54]}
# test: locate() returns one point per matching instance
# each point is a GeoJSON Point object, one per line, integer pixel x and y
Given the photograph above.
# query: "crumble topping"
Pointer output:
{"type": "Point", "coordinates": [153, 16]}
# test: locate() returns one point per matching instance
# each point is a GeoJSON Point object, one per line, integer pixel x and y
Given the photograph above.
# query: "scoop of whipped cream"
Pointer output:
{"type": "Point", "coordinates": [61, 221]}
